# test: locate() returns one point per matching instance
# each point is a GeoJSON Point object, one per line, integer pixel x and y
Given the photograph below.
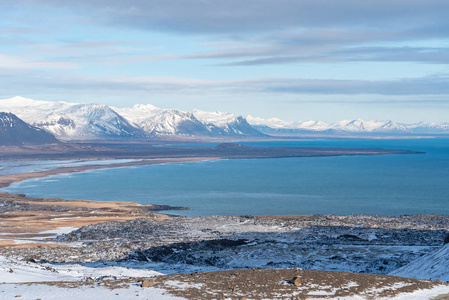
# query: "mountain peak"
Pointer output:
{"type": "Point", "coordinates": [144, 107]}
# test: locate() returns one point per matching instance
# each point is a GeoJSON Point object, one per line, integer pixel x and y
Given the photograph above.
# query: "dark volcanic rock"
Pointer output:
{"type": "Point", "coordinates": [360, 243]}
{"type": "Point", "coordinates": [446, 239]}
{"type": "Point", "coordinates": [191, 253]}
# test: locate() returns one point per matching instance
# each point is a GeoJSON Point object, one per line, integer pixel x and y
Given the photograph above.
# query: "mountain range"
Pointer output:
{"type": "Point", "coordinates": [74, 121]}
{"type": "Point", "coordinates": [357, 126]}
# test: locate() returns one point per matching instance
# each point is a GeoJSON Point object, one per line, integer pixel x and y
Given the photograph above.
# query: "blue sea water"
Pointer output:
{"type": "Point", "coordinates": [384, 184]}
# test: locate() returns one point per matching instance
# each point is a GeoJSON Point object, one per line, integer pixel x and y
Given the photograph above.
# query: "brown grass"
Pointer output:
{"type": "Point", "coordinates": [57, 213]}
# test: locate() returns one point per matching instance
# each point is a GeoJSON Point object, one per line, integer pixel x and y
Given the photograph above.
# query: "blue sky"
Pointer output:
{"type": "Point", "coordinates": [293, 59]}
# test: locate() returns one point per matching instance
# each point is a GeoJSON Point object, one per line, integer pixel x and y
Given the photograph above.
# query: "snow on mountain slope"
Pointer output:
{"type": "Point", "coordinates": [313, 125]}
{"type": "Point", "coordinates": [70, 121]}
{"type": "Point", "coordinates": [422, 127]}
{"type": "Point", "coordinates": [272, 122]}
{"type": "Point", "coordinates": [226, 124]}
{"type": "Point", "coordinates": [97, 120]}
{"type": "Point", "coordinates": [31, 111]}
{"type": "Point", "coordinates": [218, 118]}
{"type": "Point", "coordinates": [160, 121]}
{"type": "Point", "coordinates": [14, 131]}
{"type": "Point", "coordinates": [430, 266]}
{"type": "Point", "coordinates": [359, 125]}
{"type": "Point", "coordinates": [349, 126]}
{"type": "Point", "coordinates": [276, 123]}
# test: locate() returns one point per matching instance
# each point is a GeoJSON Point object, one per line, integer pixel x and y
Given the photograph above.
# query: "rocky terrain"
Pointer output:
{"type": "Point", "coordinates": [362, 244]}
{"type": "Point", "coordinates": [216, 257]}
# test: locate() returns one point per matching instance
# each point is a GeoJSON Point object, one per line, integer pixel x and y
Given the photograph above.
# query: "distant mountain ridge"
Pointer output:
{"type": "Point", "coordinates": [15, 132]}
{"type": "Point", "coordinates": [73, 121]}
{"type": "Point", "coordinates": [226, 124]}
{"type": "Point", "coordinates": [158, 121]}
{"type": "Point", "coordinates": [357, 126]}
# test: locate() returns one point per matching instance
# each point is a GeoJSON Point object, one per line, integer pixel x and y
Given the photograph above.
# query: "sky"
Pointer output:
{"type": "Point", "coordinates": [325, 60]}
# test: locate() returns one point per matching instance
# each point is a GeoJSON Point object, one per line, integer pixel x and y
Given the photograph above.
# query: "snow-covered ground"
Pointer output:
{"type": "Point", "coordinates": [408, 246]}
{"type": "Point", "coordinates": [28, 280]}
{"type": "Point", "coordinates": [55, 292]}
{"type": "Point", "coordinates": [134, 291]}
{"type": "Point", "coordinates": [16, 271]}
{"type": "Point", "coordinates": [434, 265]}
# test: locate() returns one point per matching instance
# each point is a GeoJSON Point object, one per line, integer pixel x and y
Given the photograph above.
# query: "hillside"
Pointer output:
{"type": "Point", "coordinates": [15, 132]}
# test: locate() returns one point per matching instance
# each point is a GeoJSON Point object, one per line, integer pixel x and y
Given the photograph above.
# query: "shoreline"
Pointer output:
{"type": "Point", "coordinates": [7, 180]}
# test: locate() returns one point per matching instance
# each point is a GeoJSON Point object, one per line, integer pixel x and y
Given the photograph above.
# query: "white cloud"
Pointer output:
{"type": "Point", "coordinates": [15, 62]}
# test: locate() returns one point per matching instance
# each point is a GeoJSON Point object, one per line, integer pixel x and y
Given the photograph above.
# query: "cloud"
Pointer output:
{"type": "Point", "coordinates": [432, 85]}
{"type": "Point", "coordinates": [15, 62]}
{"type": "Point", "coordinates": [9, 30]}
{"type": "Point", "coordinates": [257, 15]}
{"type": "Point", "coordinates": [263, 32]}
{"type": "Point", "coordinates": [430, 55]}
{"type": "Point", "coordinates": [17, 83]}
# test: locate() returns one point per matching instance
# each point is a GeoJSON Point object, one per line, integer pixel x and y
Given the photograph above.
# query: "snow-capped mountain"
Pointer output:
{"type": "Point", "coordinates": [158, 121]}
{"type": "Point", "coordinates": [226, 124]}
{"type": "Point", "coordinates": [73, 121]}
{"type": "Point", "coordinates": [422, 127]}
{"type": "Point", "coordinates": [70, 121]}
{"type": "Point", "coordinates": [276, 123]}
{"type": "Point", "coordinates": [15, 132]}
{"type": "Point", "coordinates": [357, 126]}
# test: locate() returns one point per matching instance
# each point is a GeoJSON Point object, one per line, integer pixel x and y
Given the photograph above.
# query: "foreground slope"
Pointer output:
{"type": "Point", "coordinates": [434, 265]}
{"type": "Point", "coordinates": [232, 285]}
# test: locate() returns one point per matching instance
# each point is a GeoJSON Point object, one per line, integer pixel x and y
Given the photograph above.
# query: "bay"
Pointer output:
{"type": "Point", "coordinates": [384, 184]}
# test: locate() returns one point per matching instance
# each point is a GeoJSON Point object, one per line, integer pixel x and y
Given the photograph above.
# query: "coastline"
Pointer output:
{"type": "Point", "coordinates": [38, 220]}
{"type": "Point", "coordinates": [147, 155]}
{"type": "Point", "coordinates": [7, 180]}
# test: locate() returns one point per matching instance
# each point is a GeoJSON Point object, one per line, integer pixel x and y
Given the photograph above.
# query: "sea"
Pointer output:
{"type": "Point", "coordinates": [396, 184]}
